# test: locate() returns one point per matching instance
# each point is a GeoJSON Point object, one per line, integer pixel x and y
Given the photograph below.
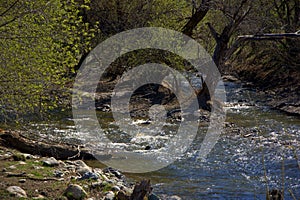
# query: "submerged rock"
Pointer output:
{"type": "Point", "coordinates": [16, 191]}
{"type": "Point", "coordinates": [75, 192]}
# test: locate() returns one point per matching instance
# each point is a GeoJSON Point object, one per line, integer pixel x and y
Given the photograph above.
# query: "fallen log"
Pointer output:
{"type": "Point", "coordinates": [16, 140]}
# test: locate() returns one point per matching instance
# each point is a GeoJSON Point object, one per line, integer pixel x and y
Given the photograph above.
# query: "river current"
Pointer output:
{"type": "Point", "coordinates": [258, 150]}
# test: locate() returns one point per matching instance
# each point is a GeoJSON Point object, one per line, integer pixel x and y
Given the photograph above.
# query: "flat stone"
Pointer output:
{"type": "Point", "coordinates": [75, 192]}
{"type": "Point", "coordinates": [51, 162]}
{"type": "Point", "coordinates": [16, 191]}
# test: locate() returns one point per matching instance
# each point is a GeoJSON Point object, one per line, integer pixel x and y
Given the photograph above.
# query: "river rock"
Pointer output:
{"type": "Point", "coordinates": [114, 172]}
{"type": "Point", "coordinates": [19, 157]}
{"type": "Point", "coordinates": [81, 167]}
{"type": "Point", "coordinates": [51, 162]}
{"type": "Point", "coordinates": [16, 191]}
{"type": "Point", "coordinates": [109, 195]}
{"type": "Point", "coordinates": [96, 184]}
{"type": "Point", "coordinates": [58, 173]}
{"type": "Point", "coordinates": [89, 175]}
{"type": "Point", "coordinates": [115, 188]}
{"type": "Point", "coordinates": [39, 197]}
{"type": "Point", "coordinates": [23, 180]}
{"type": "Point", "coordinates": [75, 192]}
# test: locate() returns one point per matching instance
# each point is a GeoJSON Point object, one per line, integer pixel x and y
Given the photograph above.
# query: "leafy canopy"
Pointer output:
{"type": "Point", "coordinates": [41, 42]}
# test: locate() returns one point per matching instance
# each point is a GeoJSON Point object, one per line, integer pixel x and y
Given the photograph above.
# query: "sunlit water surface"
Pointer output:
{"type": "Point", "coordinates": [262, 150]}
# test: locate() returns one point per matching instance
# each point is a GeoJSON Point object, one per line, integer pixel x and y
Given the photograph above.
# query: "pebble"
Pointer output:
{"type": "Point", "coordinates": [12, 167]}
{"type": "Point", "coordinates": [28, 156]}
{"type": "Point", "coordinates": [16, 191]}
{"type": "Point", "coordinates": [50, 162]}
{"type": "Point", "coordinates": [115, 188]}
{"type": "Point", "coordinates": [109, 195]}
{"type": "Point", "coordinates": [58, 173]}
{"type": "Point", "coordinates": [75, 192]}
{"type": "Point", "coordinates": [23, 180]}
{"type": "Point", "coordinates": [96, 184]}
{"type": "Point", "coordinates": [39, 197]}
{"type": "Point", "coordinates": [22, 163]}
{"type": "Point", "coordinates": [113, 171]}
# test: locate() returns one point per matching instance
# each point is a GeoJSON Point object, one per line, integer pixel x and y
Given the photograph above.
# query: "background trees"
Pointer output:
{"type": "Point", "coordinates": [44, 42]}
{"type": "Point", "coordinates": [40, 44]}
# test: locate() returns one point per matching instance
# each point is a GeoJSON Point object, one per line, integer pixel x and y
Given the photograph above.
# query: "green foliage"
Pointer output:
{"type": "Point", "coordinates": [41, 42]}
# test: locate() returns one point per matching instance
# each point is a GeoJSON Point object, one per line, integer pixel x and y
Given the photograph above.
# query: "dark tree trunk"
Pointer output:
{"type": "Point", "coordinates": [200, 13]}
{"type": "Point", "coordinates": [203, 96]}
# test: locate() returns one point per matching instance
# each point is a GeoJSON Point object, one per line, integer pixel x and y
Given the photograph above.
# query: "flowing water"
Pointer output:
{"type": "Point", "coordinates": [259, 149]}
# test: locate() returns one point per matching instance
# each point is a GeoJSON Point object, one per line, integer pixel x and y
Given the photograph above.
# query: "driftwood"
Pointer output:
{"type": "Point", "coordinates": [141, 190]}
{"type": "Point", "coordinates": [17, 141]}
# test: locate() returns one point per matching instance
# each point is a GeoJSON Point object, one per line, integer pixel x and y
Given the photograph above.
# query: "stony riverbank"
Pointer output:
{"type": "Point", "coordinates": [34, 177]}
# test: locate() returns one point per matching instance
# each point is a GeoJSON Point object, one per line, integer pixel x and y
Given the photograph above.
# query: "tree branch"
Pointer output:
{"type": "Point", "coordinates": [196, 18]}
{"type": "Point", "coordinates": [10, 7]}
{"type": "Point", "coordinates": [213, 31]}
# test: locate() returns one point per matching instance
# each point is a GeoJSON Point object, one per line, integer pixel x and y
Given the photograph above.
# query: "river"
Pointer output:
{"type": "Point", "coordinates": [259, 149]}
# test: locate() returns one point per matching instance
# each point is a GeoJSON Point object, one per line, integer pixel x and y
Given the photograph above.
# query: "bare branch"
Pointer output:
{"type": "Point", "coordinates": [10, 7]}
{"type": "Point", "coordinates": [196, 18]}
{"type": "Point", "coordinates": [213, 31]}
